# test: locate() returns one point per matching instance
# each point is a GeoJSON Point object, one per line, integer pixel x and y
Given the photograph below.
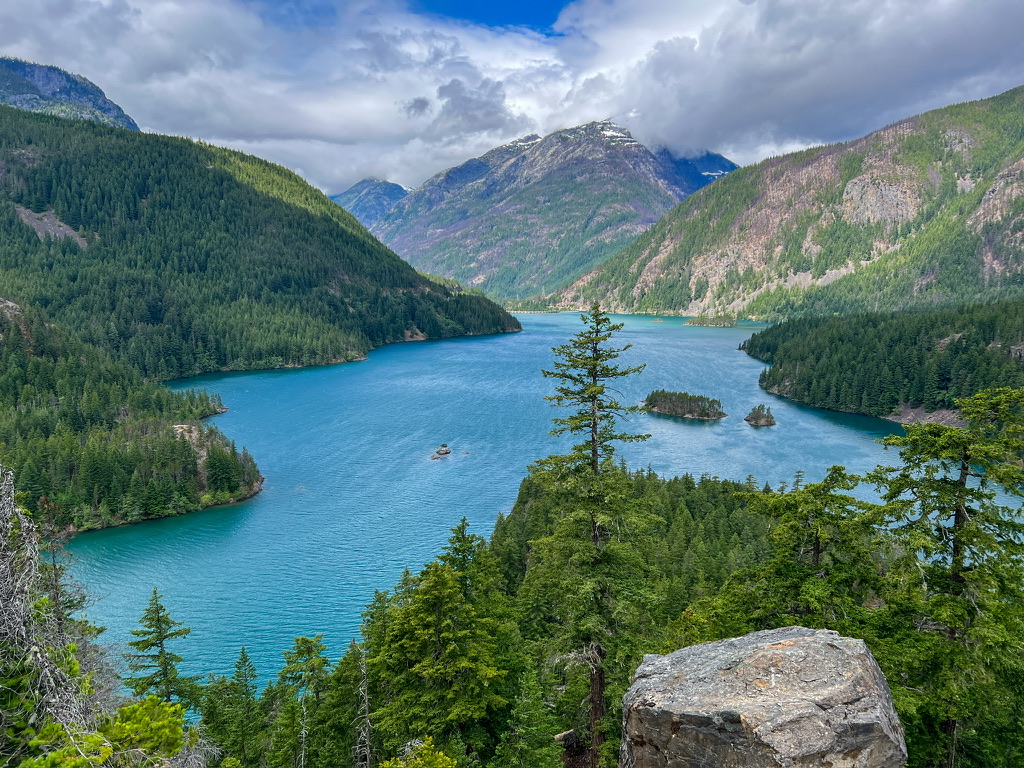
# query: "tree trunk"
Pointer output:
{"type": "Point", "coordinates": [597, 707]}
{"type": "Point", "coordinates": [950, 728]}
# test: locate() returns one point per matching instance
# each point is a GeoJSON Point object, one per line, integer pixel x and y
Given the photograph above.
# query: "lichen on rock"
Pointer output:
{"type": "Point", "coordinates": [781, 698]}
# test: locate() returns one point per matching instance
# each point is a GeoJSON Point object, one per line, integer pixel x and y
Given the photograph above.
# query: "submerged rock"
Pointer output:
{"type": "Point", "coordinates": [775, 699]}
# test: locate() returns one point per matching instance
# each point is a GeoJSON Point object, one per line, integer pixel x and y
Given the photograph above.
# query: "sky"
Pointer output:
{"type": "Point", "coordinates": [339, 90]}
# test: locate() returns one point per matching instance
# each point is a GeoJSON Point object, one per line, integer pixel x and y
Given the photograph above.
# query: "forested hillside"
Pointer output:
{"type": "Point", "coordinates": [93, 444]}
{"type": "Point", "coordinates": [928, 211]}
{"type": "Point", "coordinates": [183, 258]}
{"type": "Point", "coordinates": [876, 364]}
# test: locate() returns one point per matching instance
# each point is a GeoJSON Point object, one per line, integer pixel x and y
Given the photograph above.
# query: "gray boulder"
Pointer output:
{"type": "Point", "coordinates": [783, 697]}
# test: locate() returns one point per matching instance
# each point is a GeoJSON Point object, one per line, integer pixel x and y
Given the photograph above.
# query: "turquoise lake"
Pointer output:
{"type": "Point", "coordinates": [352, 496]}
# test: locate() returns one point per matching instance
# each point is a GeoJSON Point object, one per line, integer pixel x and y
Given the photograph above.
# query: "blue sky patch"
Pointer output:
{"type": "Point", "coordinates": [536, 14]}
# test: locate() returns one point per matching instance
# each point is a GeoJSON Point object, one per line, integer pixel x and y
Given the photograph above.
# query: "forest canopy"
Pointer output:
{"type": "Point", "coordinates": [183, 258]}
{"type": "Point", "coordinates": [876, 363]}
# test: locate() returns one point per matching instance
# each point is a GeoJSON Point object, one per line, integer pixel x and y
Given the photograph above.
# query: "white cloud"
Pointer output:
{"type": "Point", "coordinates": [376, 89]}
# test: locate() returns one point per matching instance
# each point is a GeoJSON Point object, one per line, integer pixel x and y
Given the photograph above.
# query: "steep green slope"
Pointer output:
{"type": "Point", "coordinates": [878, 364]}
{"type": "Point", "coordinates": [53, 91]}
{"type": "Point", "coordinates": [529, 216]}
{"type": "Point", "coordinates": [184, 258]}
{"type": "Point", "coordinates": [93, 444]}
{"type": "Point", "coordinates": [924, 212]}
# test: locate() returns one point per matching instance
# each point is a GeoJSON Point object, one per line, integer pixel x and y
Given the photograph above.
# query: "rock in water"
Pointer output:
{"type": "Point", "coordinates": [778, 698]}
{"type": "Point", "coordinates": [442, 452]}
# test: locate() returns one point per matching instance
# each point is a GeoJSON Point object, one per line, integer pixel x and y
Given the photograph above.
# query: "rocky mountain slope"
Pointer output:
{"type": "Point", "coordinates": [531, 215]}
{"type": "Point", "coordinates": [928, 211]}
{"type": "Point", "coordinates": [53, 91]}
{"type": "Point", "coordinates": [370, 200]}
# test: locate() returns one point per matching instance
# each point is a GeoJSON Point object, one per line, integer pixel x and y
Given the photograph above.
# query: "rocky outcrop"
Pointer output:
{"type": "Point", "coordinates": [782, 698]}
{"type": "Point", "coordinates": [867, 200]}
{"type": "Point", "coordinates": [53, 91]}
{"type": "Point", "coordinates": [47, 225]}
{"type": "Point", "coordinates": [907, 415]}
{"type": "Point", "coordinates": [442, 453]}
{"type": "Point", "coordinates": [370, 200]}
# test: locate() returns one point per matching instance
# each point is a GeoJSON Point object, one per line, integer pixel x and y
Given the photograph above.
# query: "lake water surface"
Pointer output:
{"type": "Point", "coordinates": [352, 496]}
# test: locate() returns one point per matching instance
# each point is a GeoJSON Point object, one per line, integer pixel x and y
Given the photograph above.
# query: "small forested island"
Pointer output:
{"type": "Point", "coordinates": [683, 405]}
{"type": "Point", "coordinates": [760, 416]}
{"type": "Point", "coordinates": [717, 320]}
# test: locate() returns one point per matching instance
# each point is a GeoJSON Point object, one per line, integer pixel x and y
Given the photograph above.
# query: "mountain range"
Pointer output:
{"type": "Point", "coordinates": [926, 212]}
{"type": "Point", "coordinates": [53, 91]}
{"type": "Point", "coordinates": [532, 215]}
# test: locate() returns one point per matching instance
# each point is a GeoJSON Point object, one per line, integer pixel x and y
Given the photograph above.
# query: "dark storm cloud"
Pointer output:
{"type": "Point", "coordinates": [473, 110]}
{"type": "Point", "coordinates": [417, 107]}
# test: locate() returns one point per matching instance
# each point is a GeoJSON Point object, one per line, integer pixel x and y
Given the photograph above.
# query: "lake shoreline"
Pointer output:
{"type": "Point", "coordinates": [352, 498]}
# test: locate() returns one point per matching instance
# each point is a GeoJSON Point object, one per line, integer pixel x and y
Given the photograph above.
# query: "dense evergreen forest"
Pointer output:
{"type": "Point", "coordinates": [494, 647]}
{"type": "Point", "coordinates": [127, 258]}
{"type": "Point", "coordinates": [684, 405]}
{"type": "Point", "coordinates": [94, 444]}
{"type": "Point", "coordinates": [876, 363]}
{"type": "Point", "coordinates": [189, 258]}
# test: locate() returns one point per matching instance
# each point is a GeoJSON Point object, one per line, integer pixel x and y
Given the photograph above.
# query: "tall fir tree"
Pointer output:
{"type": "Point", "coordinates": [440, 659]}
{"type": "Point", "coordinates": [586, 576]}
{"type": "Point", "coordinates": [156, 660]}
{"type": "Point", "coordinates": [302, 680]}
{"type": "Point", "coordinates": [961, 583]}
{"type": "Point", "coordinates": [585, 369]}
{"type": "Point", "coordinates": [232, 716]}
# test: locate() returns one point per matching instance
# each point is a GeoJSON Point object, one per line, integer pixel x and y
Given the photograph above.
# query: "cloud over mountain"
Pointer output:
{"type": "Point", "coordinates": [342, 90]}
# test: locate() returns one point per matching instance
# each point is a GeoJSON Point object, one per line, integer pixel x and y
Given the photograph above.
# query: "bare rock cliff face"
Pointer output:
{"type": "Point", "coordinates": [780, 698]}
{"type": "Point", "coordinates": [51, 90]}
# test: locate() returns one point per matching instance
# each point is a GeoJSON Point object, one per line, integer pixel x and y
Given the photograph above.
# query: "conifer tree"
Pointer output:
{"type": "Point", "coordinates": [339, 728]}
{"type": "Point", "coordinates": [585, 369]}
{"type": "Point", "coordinates": [527, 739]}
{"type": "Point", "coordinates": [154, 657]}
{"type": "Point", "coordinates": [960, 587]}
{"type": "Point", "coordinates": [825, 562]}
{"type": "Point", "coordinates": [303, 676]}
{"type": "Point", "coordinates": [439, 658]}
{"type": "Point", "coordinates": [586, 576]}
{"type": "Point", "coordinates": [231, 712]}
